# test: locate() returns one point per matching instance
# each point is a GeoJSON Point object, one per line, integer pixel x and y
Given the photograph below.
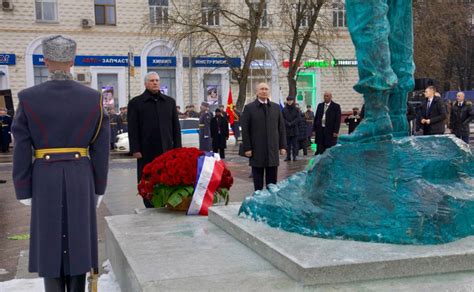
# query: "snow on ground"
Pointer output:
{"type": "Point", "coordinates": [107, 283]}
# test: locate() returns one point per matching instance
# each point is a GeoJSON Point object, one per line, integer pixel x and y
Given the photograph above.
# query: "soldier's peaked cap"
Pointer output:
{"type": "Point", "coordinates": [59, 49]}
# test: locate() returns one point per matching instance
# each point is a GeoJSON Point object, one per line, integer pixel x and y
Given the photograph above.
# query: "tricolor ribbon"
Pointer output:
{"type": "Point", "coordinates": [209, 175]}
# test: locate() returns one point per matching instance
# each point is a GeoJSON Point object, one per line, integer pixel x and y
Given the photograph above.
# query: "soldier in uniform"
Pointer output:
{"type": "Point", "coordinates": [205, 128]}
{"type": "Point", "coordinates": [5, 124]}
{"type": "Point", "coordinates": [115, 127]}
{"type": "Point", "coordinates": [62, 124]}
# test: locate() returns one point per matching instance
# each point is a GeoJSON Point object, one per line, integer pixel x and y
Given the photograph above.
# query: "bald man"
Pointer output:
{"type": "Point", "coordinates": [327, 123]}
{"type": "Point", "coordinates": [263, 137]}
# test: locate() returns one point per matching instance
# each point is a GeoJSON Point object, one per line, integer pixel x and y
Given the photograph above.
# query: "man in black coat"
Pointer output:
{"type": "Point", "coordinates": [219, 133]}
{"type": "Point", "coordinates": [461, 116]}
{"type": "Point", "coordinates": [291, 117]}
{"type": "Point", "coordinates": [353, 120]}
{"type": "Point", "coordinates": [433, 113]}
{"type": "Point", "coordinates": [153, 125]}
{"type": "Point", "coordinates": [327, 122]}
{"type": "Point", "coordinates": [263, 137]}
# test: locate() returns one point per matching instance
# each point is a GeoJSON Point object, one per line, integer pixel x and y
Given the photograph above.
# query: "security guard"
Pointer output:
{"type": "Point", "coordinates": [62, 124]}
{"type": "Point", "coordinates": [5, 124]}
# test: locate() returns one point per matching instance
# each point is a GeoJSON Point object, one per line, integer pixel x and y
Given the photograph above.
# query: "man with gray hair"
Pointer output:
{"type": "Point", "coordinates": [153, 125]}
{"type": "Point", "coordinates": [62, 124]}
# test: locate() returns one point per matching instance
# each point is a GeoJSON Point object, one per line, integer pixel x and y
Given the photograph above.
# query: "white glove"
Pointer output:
{"type": "Point", "coordinates": [26, 202]}
{"type": "Point", "coordinates": [99, 200]}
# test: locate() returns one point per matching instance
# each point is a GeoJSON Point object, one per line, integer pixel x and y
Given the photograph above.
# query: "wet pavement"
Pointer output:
{"type": "Point", "coordinates": [120, 198]}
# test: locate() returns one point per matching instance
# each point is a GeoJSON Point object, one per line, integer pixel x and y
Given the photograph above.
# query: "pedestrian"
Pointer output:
{"type": "Point", "coordinates": [291, 116]}
{"type": "Point", "coordinates": [69, 173]}
{"type": "Point", "coordinates": [263, 137]}
{"type": "Point", "coordinates": [219, 133]}
{"type": "Point", "coordinates": [223, 112]}
{"type": "Point", "coordinates": [205, 140]}
{"type": "Point", "coordinates": [461, 116]}
{"type": "Point", "coordinates": [303, 142]}
{"type": "Point", "coordinates": [153, 125]}
{"type": "Point", "coordinates": [327, 122]}
{"type": "Point", "coordinates": [5, 129]}
{"type": "Point", "coordinates": [236, 125]}
{"type": "Point", "coordinates": [309, 118]}
{"type": "Point", "coordinates": [115, 127]}
{"type": "Point", "coordinates": [353, 120]}
{"type": "Point", "coordinates": [123, 118]}
{"type": "Point", "coordinates": [191, 113]}
{"type": "Point", "coordinates": [433, 113]}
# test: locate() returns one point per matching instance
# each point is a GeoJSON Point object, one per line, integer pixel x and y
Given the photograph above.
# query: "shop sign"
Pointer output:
{"type": "Point", "coordinates": [106, 61]}
{"type": "Point", "coordinates": [330, 63]}
{"type": "Point", "coordinates": [344, 62]}
{"type": "Point", "coordinates": [161, 61]}
{"type": "Point", "coordinates": [261, 64]}
{"type": "Point", "coordinates": [7, 59]}
{"type": "Point", "coordinates": [212, 62]}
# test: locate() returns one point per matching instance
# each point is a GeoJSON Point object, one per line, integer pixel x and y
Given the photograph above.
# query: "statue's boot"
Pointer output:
{"type": "Point", "coordinates": [397, 104]}
{"type": "Point", "coordinates": [376, 125]}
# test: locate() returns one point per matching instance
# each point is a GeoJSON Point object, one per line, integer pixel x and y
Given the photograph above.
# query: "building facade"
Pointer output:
{"type": "Point", "coordinates": [107, 31]}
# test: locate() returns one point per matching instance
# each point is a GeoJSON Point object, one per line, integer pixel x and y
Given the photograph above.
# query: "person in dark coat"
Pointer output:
{"type": "Point", "coordinates": [291, 116]}
{"type": "Point", "coordinates": [219, 133]}
{"type": "Point", "coordinates": [461, 116]}
{"type": "Point", "coordinates": [123, 117]}
{"type": "Point", "coordinates": [433, 113]}
{"type": "Point", "coordinates": [5, 129]}
{"type": "Point", "coordinates": [63, 125]}
{"type": "Point", "coordinates": [153, 125]}
{"type": "Point", "coordinates": [353, 120]}
{"type": "Point", "coordinates": [327, 122]}
{"type": "Point", "coordinates": [205, 141]}
{"type": "Point", "coordinates": [191, 113]}
{"type": "Point", "coordinates": [263, 137]}
{"type": "Point", "coordinates": [309, 118]}
{"type": "Point", "coordinates": [303, 141]}
{"type": "Point", "coordinates": [115, 127]}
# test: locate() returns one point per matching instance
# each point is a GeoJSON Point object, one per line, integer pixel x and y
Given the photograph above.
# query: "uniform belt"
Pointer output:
{"type": "Point", "coordinates": [44, 153]}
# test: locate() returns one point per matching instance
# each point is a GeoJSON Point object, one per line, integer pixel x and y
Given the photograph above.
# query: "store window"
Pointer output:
{"type": "Point", "coordinates": [213, 90]}
{"type": "Point", "coordinates": [306, 89]}
{"type": "Point", "coordinates": [107, 84]}
{"type": "Point", "coordinates": [167, 74]}
{"type": "Point", "coordinates": [105, 12]}
{"type": "Point", "coordinates": [210, 13]}
{"type": "Point", "coordinates": [339, 14]}
{"type": "Point", "coordinates": [158, 11]}
{"type": "Point", "coordinates": [41, 74]}
{"type": "Point", "coordinates": [46, 10]}
{"type": "Point", "coordinates": [260, 70]}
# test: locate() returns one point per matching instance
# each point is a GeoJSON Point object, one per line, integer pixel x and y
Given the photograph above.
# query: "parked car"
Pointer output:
{"type": "Point", "coordinates": [189, 135]}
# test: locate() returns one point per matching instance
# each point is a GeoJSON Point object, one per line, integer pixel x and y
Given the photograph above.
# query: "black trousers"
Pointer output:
{"type": "Point", "coordinates": [292, 146]}
{"type": "Point", "coordinates": [221, 152]}
{"type": "Point", "coordinates": [66, 283]}
{"type": "Point", "coordinates": [320, 148]}
{"type": "Point", "coordinates": [270, 176]}
{"type": "Point", "coordinates": [465, 138]}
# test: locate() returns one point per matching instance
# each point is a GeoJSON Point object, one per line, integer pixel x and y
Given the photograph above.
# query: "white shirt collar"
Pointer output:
{"type": "Point", "coordinates": [263, 102]}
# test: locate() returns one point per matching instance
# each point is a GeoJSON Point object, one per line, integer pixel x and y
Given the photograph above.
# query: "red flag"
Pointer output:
{"type": "Point", "coordinates": [230, 108]}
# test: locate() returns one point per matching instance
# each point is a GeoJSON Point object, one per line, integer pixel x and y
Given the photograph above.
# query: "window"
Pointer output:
{"type": "Point", "coordinates": [260, 70]}
{"type": "Point", "coordinates": [264, 19]}
{"type": "Point", "coordinates": [339, 14]}
{"type": "Point", "coordinates": [46, 10]}
{"type": "Point", "coordinates": [41, 74]}
{"type": "Point", "coordinates": [210, 13]}
{"type": "Point", "coordinates": [105, 12]}
{"type": "Point", "coordinates": [158, 11]}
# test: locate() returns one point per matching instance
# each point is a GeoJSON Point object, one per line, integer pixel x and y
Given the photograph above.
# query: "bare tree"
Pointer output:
{"type": "Point", "coordinates": [304, 20]}
{"type": "Point", "coordinates": [443, 46]}
{"type": "Point", "coordinates": [219, 28]}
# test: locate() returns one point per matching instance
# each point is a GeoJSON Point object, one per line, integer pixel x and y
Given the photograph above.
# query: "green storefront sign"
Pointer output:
{"type": "Point", "coordinates": [330, 63]}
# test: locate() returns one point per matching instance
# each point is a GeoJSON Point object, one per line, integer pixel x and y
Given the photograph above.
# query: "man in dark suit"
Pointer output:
{"type": "Point", "coordinates": [263, 137]}
{"type": "Point", "coordinates": [219, 133]}
{"type": "Point", "coordinates": [433, 113]}
{"type": "Point", "coordinates": [153, 125]}
{"type": "Point", "coordinates": [461, 116]}
{"type": "Point", "coordinates": [64, 123]}
{"type": "Point", "coordinates": [327, 122]}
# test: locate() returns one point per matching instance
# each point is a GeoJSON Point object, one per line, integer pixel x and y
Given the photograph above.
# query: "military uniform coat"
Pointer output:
{"type": "Point", "coordinates": [205, 141]}
{"type": "Point", "coordinates": [153, 126]}
{"type": "Point", "coordinates": [115, 127]}
{"type": "Point", "coordinates": [291, 116]}
{"type": "Point", "coordinates": [263, 132]}
{"type": "Point", "coordinates": [63, 189]}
